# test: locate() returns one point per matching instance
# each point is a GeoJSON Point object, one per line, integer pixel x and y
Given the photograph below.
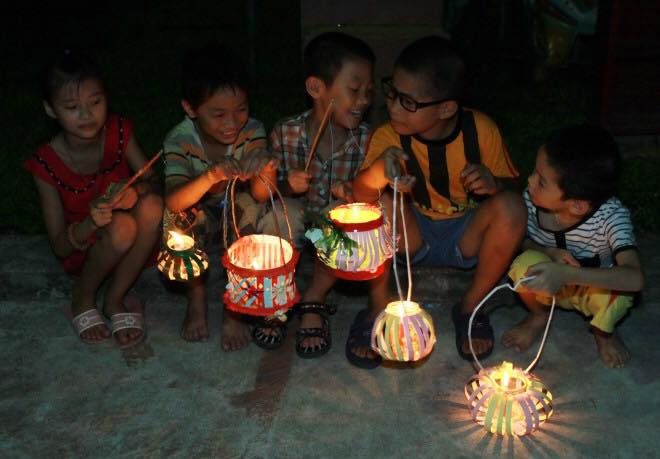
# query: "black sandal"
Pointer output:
{"type": "Point", "coordinates": [481, 329]}
{"type": "Point", "coordinates": [324, 310]}
{"type": "Point", "coordinates": [269, 341]}
{"type": "Point", "coordinates": [360, 336]}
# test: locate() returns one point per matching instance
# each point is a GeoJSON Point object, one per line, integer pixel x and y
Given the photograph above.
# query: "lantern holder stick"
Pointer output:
{"type": "Point", "coordinates": [512, 288]}
{"type": "Point", "coordinates": [405, 240]}
{"type": "Point", "coordinates": [317, 137]}
{"type": "Point", "coordinates": [139, 173]}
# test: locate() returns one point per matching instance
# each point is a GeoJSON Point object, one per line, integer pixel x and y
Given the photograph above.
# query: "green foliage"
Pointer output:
{"type": "Point", "coordinates": [333, 238]}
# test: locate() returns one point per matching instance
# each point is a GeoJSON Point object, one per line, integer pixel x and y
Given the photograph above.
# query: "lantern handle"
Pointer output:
{"type": "Point", "coordinates": [230, 201]}
{"type": "Point", "coordinates": [405, 239]}
{"type": "Point", "coordinates": [512, 288]}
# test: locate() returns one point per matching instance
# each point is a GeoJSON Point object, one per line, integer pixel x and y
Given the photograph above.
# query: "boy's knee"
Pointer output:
{"type": "Point", "coordinates": [122, 231]}
{"type": "Point", "coordinates": [511, 207]}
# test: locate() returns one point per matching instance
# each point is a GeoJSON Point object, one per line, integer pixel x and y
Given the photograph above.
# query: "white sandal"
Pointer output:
{"type": "Point", "coordinates": [124, 320]}
{"type": "Point", "coordinates": [85, 321]}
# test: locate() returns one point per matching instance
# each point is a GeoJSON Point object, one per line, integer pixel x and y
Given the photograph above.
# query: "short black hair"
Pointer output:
{"type": "Point", "coordinates": [326, 53]}
{"type": "Point", "coordinates": [208, 68]}
{"type": "Point", "coordinates": [68, 66]}
{"type": "Point", "coordinates": [437, 60]}
{"type": "Point", "coordinates": [587, 160]}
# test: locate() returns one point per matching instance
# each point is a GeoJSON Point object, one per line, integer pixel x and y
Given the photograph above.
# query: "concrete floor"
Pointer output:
{"type": "Point", "coordinates": [169, 398]}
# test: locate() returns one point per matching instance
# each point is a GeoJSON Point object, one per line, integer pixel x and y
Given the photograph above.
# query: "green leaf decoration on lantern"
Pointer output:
{"type": "Point", "coordinates": [325, 235]}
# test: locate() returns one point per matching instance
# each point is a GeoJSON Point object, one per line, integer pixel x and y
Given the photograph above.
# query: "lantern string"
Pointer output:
{"type": "Point", "coordinates": [405, 241]}
{"type": "Point", "coordinates": [512, 288]}
{"type": "Point", "coordinates": [230, 201]}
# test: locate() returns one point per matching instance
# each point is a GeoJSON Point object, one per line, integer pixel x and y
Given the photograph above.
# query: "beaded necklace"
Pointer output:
{"type": "Point", "coordinates": [92, 180]}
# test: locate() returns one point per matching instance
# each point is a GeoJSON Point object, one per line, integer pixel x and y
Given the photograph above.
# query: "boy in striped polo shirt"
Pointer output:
{"type": "Point", "coordinates": [217, 141]}
{"type": "Point", "coordinates": [580, 244]}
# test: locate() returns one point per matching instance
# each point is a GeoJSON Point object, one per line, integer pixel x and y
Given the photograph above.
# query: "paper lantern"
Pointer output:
{"type": "Point", "coordinates": [506, 400]}
{"type": "Point", "coordinates": [364, 224]}
{"type": "Point", "coordinates": [261, 275]}
{"type": "Point", "coordinates": [180, 260]}
{"type": "Point", "coordinates": [403, 331]}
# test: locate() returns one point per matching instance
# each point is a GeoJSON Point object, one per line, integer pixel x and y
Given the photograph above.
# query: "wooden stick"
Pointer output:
{"type": "Point", "coordinates": [139, 173]}
{"type": "Point", "coordinates": [317, 137]}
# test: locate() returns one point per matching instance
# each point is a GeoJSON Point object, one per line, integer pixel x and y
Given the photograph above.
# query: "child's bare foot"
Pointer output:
{"type": "Point", "coordinates": [235, 332]}
{"type": "Point", "coordinates": [522, 335]}
{"type": "Point", "coordinates": [611, 349]}
{"type": "Point", "coordinates": [195, 325]}
{"type": "Point", "coordinates": [311, 320]}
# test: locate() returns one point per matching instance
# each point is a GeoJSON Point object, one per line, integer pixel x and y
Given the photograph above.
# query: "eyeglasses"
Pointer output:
{"type": "Point", "coordinates": [405, 100]}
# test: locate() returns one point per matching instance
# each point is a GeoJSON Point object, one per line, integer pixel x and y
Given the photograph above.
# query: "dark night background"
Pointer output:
{"type": "Point", "coordinates": [139, 46]}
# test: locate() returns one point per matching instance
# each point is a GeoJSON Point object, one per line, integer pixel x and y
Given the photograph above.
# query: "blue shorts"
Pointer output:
{"type": "Point", "coordinates": [441, 238]}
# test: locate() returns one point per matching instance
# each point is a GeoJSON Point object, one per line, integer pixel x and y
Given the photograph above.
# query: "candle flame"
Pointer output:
{"type": "Point", "coordinates": [178, 241]}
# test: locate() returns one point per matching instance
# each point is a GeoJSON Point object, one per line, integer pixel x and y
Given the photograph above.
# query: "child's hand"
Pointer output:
{"type": "Point", "coordinates": [393, 157]}
{"type": "Point", "coordinates": [100, 211]}
{"type": "Point", "coordinates": [124, 200]}
{"type": "Point", "coordinates": [254, 161]}
{"type": "Point", "coordinates": [478, 179]}
{"type": "Point", "coordinates": [343, 191]}
{"type": "Point", "coordinates": [224, 169]}
{"type": "Point", "coordinates": [299, 180]}
{"type": "Point", "coordinates": [562, 256]}
{"type": "Point", "coordinates": [549, 277]}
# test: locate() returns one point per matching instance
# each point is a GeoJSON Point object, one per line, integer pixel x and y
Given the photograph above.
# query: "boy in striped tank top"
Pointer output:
{"type": "Point", "coordinates": [580, 244]}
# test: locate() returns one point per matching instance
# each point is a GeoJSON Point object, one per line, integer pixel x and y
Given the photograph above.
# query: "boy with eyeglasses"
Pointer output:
{"type": "Point", "coordinates": [454, 167]}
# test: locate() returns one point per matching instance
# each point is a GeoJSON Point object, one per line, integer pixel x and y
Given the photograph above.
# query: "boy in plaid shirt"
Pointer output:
{"type": "Point", "coordinates": [338, 68]}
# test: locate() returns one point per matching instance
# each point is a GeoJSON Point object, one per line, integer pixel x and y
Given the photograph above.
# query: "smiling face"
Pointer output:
{"type": "Point", "coordinates": [222, 116]}
{"type": "Point", "coordinates": [352, 92]}
{"type": "Point", "coordinates": [80, 107]}
{"type": "Point", "coordinates": [432, 122]}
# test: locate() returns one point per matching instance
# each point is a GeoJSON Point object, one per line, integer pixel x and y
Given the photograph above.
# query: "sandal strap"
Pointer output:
{"type": "Point", "coordinates": [304, 333]}
{"type": "Point", "coordinates": [123, 320]}
{"type": "Point", "coordinates": [86, 320]}
{"type": "Point", "coordinates": [317, 307]}
{"type": "Point", "coordinates": [481, 328]}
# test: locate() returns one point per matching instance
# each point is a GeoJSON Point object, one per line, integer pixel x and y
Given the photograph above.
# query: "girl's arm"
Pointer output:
{"type": "Point", "coordinates": [58, 232]}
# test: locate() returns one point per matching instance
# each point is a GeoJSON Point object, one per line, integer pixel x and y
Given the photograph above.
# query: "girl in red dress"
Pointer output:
{"type": "Point", "coordinates": [95, 233]}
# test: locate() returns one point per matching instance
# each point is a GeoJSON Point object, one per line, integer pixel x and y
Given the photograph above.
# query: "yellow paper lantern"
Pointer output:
{"type": "Point", "coordinates": [403, 331]}
{"type": "Point", "coordinates": [180, 260]}
{"type": "Point", "coordinates": [364, 224]}
{"type": "Point", "coordinates": [506, 400]}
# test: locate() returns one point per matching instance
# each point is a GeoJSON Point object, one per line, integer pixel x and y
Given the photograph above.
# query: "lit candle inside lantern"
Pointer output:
{"type": "Point", "coordinates": [178, 241]}
{"type": "Point", "coordinates": [506, 366]}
